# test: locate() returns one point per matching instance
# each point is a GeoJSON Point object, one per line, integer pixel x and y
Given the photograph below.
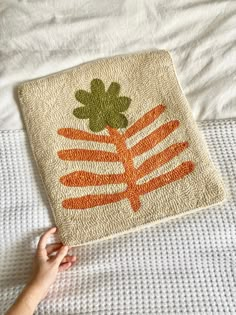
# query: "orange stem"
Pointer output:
{"type": "Point", "coordinates": [77, 134]}
{"type": "Point", "coordinates": [145, 121]}
{"type": "Point", "coordinates": [88, 155]}
{"type": "Point", "coordinates": [82, 179]}
{"type": "Point", "coordinates": [167, 178]}
{"type": "Point", "coordinates": [160, 159]}
{"type": "Point", "coordinates": [154, 138]}
{"type": "Point", "coordinates": [130, 171]}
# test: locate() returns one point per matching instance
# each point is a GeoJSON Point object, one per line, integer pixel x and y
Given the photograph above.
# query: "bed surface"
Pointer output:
{"type": "Point", "coordinates": [184, 266]}
{"type": "Point", "coordinates": [38, 38]}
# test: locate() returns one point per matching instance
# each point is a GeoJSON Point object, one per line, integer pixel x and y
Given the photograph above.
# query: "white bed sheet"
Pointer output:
{"type": "Point", "coordinates": [38, 38]}
{"type": "Point", "coordinates": [184, 266]}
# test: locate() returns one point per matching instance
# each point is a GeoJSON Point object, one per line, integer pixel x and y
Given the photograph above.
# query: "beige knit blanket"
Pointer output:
{"type": "Point", "coordinates": [117, 147]}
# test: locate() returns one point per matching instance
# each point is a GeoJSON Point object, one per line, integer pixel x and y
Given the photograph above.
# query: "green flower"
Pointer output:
{"type": "Point", "coordinates": [102, 107]}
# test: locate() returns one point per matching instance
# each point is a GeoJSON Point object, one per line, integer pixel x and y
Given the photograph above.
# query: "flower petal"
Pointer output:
{"type": "Point", "coordinates": [82, 112]}
{"type": "Point", "coordinates": [97, 87]}
{"type": "Point", "coordinates": [116, 120]}
{"type": "Point", "coordinates": [97, 123]}
{"type": "Point", "coordinates": [84, 97]}
{"type": "Point", "coordinates": [114, 89]}
{"type": "Point", "coordinates": [122, 103]}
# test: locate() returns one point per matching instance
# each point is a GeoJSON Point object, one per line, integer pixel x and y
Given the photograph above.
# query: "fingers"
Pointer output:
{"type": "Point", "coordinates": [53, 247]}
{"type": "Point", "coordinates": [64, 267]}
{"type": "Point", "coordinates": [67, 263]}
{"type": "Point", "coordinates": [68, 258]}
{"type": "Point", "coordinates": [61, 254]}
{"type": "Point", "coordinates": [43, 239]}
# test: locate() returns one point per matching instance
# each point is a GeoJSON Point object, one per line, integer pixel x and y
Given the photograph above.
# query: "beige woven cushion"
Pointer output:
{"type": "Point", "coordinates": [117, 147]}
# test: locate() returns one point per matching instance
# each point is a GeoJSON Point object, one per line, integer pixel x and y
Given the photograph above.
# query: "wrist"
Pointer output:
{"type": "Point", "coordinates": [27, 301]}
{"type": "Point", "coordinates": [32, 294]}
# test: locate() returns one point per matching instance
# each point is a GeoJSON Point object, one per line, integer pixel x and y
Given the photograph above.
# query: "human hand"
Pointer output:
{"type": "Point", "coordinates": [45, 269]}
{"type": "Point", "coordinates": [46, 265]}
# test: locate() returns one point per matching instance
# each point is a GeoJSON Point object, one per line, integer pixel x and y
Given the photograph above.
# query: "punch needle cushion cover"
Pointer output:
{"type": "Point", "coordinates": [117, 147]}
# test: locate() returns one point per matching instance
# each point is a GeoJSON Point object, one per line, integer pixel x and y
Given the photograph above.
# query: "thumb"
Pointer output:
{"type": "Point", "coordinates": [61, 254]}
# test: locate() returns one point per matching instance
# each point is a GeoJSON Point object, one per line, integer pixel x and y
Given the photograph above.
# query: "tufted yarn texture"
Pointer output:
{"type": "Point", "coordinates": [117, 147]}
{"type": "Point", "coordinates": [183, 266]}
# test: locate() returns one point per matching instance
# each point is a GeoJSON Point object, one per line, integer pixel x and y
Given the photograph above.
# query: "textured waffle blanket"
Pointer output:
{"type": "Point", "coordinates": [117, 147]}
{"type": "Point", "coordinates": [184, 266]}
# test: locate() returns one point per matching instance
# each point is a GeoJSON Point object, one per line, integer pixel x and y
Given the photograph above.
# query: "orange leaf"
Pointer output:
{"type": "Point", "coordinates": [90, 201]}
{"type": "Point", "coordinates": [125, 156]}
{"type": "Point", "coordinates": [77, 134]}
{"type": "Point", "coordinates": [145, 121]}
{"type": "Point", "coordinates": [154, 138]}
{"type": "Point", "coordinates": [160, 159]}
{"type": "Point", "coordinates": [167, 178]}
{"type": "Point", "coordinates": [88, 155]}
{"type": "Point", "coordinates": [82, 179]}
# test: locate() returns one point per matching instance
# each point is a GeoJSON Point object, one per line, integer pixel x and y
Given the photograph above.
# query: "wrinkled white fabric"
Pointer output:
{"type": "Point", "coordinates": [184, 266]}
{"type": "Point", "coordinates": [38, 38]}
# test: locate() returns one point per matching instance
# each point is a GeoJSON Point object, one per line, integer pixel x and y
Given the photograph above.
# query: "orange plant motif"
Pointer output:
{"type": "Point", "coordinates": [123, 154]}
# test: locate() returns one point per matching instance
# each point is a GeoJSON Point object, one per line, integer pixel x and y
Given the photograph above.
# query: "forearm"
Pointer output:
{"type": "Point", "coordinates": [26, 303]}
